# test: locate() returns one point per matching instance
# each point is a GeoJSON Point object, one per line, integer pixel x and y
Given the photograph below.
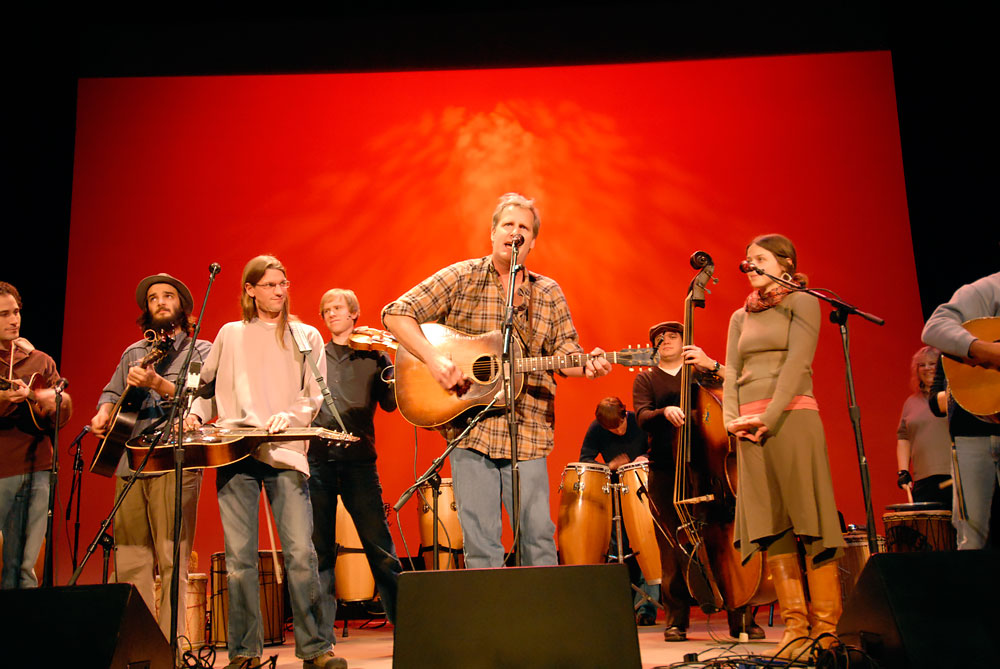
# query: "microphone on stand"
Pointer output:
{"type": "Point", "coordinates": [517, 240]}
{"type": "Point", "coordinates": [193, 377]}
{"type": "Point", "coordinates": [746, 267]}
{"type": "Point", "coordinates": [61, 385]}
{"type": "Point", "coordinates": [214, 269]}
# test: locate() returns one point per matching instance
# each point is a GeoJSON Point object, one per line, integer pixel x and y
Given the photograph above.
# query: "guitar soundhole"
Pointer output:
{"type": "Point", "coordinates": [484, 368]}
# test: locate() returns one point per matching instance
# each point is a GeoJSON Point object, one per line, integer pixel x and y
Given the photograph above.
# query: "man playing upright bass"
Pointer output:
{"type": "Point", "coordinates": [656, 395]}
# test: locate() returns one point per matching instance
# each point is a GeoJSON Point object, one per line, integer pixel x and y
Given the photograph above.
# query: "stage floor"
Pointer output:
{"type": "Point", "coordinates": [371, 647]}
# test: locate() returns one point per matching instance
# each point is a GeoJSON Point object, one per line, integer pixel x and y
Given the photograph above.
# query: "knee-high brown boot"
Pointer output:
{"type": "Point", "coordinates": [825, 599]}
{"type": "Point", "coordinates": [792, 598]}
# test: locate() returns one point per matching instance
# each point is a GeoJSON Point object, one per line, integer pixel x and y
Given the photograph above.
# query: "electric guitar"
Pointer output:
{"type": "Point", "coordinates": [125, 413]}
{"type": "Point", "coordinates": [424, 403]}
{"type": "Point", "coordinates": [212, 446]}
{"type": "Point", "coordinates": [976, 389]}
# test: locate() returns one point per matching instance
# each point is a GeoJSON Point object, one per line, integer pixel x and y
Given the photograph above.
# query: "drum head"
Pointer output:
{"type": "Point", "coordinates": [918, 506]}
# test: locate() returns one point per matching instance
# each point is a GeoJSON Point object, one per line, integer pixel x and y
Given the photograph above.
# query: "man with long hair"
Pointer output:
{"type": "Point", "coordinates": [262, 380]}
{"type": "Point", "coordinates": [144, 523]}
{"type": "Point", "coordinates": [25, 447]}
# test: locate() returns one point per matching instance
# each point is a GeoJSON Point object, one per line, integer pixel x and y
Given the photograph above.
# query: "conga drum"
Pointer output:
{"type": "Point", "coordinates": [353, 579]}
{"type": "Point", "coordinates": [272, 599]}
{"type": "Point", "coordinates": [918, 527]}
{"type": "Point", "coordinates": [584, 527]}
{"type": "Point", "coordinates": [856, 555]}
{"type": "Point", "coordinates": [196, 602]}
{"type": "Point", "coordinates": [632, 479]}
{"type": "Point", "coordinates": [450, 541]}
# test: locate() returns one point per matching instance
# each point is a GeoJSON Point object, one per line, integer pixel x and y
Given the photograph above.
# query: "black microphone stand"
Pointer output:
{"type": "Point", "coordinates": [47, 575]}
{"type": "Point", "coordinates": [507, 370]}
{"type": "Point", "coordinates": [183, 400]}
{"type": "Point", "coordinates": [76, 489]}
{"type": "Point", "coordinates": [433, 474]}
{"type": "Point", "coordinates": [102, 538]}
{"type": "Point", "coordinates": [841, 310]}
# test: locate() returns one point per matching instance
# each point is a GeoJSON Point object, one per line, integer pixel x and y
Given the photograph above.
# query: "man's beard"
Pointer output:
{"type": "Point", "coordinates": [165, 322]}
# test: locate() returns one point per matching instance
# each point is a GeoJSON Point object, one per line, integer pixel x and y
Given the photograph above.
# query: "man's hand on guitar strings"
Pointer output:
{"type": "Point", "coordinates": [277, 423]}
{"type": "Point", "coordinates": [448, 375]}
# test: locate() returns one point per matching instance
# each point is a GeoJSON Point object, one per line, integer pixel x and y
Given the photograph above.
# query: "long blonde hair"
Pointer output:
{"type": "Point", "coordinates": [252, 273]}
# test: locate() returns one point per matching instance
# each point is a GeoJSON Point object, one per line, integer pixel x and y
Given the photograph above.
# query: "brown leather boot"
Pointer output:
{"type": "Point", "coordinates": [825, 599]}
{"type": "Point", "coordinates": [787, 578]}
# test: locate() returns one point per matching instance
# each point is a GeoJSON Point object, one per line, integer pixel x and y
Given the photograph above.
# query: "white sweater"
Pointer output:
{"type": "Point", "coordinates": [256, 379]}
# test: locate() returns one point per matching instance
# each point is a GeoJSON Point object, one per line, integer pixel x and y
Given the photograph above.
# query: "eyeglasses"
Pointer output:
{"type": "Point", "coordinates": [270, 285]}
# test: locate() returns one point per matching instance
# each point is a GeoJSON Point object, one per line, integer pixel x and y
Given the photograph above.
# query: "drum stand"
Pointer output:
{"type": "Point", "coordinates": [435, 483]}
{"type": "Point", "coordinates": [618, 556]}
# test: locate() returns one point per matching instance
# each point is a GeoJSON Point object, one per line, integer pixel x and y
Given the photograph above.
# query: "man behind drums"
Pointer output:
{"type": "Point", "coordinates": [615, 436]}
{"type": "Point", "coordinates": [656, 398]}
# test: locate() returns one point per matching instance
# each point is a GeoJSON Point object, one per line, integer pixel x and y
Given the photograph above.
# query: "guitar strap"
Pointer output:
{"type": "Point", "coordinates": [303, 345]}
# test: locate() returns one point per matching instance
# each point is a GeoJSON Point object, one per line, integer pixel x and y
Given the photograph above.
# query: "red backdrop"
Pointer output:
{"type": "Point", "coordinates": [373, 181]}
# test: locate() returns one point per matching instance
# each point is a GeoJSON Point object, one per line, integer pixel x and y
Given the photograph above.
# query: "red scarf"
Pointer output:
{"type": "Point", "coordinates": [757, 302]}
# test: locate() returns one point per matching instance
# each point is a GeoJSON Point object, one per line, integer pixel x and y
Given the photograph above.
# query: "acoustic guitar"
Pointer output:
{"type": "Point", "coordinates": [424, 403]}
{"type": "Point", "coordinates": [25, 416]}
{"type": "Point", "coordinates": [125, 413]}
{"type": "Point", "coordinates": [212, 446]}
{"type": "Point", "coordinates": [976, 389]}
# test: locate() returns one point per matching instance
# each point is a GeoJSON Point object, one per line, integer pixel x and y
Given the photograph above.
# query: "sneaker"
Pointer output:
{"type": "Point", "coordinates": [325, 661]}
{"type": "Point", "coordinates": [674, 633]}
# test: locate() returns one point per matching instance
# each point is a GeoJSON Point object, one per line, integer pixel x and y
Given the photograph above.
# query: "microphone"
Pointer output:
{"type": "Point", "coordinates": [61, 385]}
{"type": "Point", "coordinates": [77, 438]}
{"type": "Point", "coordinates": [193, 376]}
{"type": "Point", "coordinates": [517, 240]}
{"type": "Point", "coordinates": [746, 267]}
{"type": "Point", "coordinates": [214, 269]}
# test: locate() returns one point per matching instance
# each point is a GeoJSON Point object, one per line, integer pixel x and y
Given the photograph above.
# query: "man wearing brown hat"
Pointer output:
{"type": "Point", "coordinates": [656, 396]}
{"type": "Point", "coordinates": [144, 523]}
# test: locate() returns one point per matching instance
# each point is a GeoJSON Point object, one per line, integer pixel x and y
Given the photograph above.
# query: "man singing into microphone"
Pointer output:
{"type": "Point", "coordinates": [144, 523]}
{"type": "Point", "coordinates": [470, 296]}
{"type": "Point", "coordinates": [25, 447]}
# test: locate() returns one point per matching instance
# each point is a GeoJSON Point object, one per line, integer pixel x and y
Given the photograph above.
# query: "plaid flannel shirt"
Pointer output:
{"type": "Point", "coordinates": [468, 296]}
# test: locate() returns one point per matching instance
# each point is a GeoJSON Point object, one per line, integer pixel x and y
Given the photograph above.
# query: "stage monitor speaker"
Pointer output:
{"type": "Point", "coordinates": [546, 617]}
{"type": "Point", "coordinates": [106, 626]}
{"type": "Point", "coordinates": [935, 609]}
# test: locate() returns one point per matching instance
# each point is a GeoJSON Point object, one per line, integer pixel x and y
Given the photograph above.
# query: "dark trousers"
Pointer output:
{"type": "Point", "coordinates": [358, 485]}
{"type": "Point", "coordinates": [673, 590]}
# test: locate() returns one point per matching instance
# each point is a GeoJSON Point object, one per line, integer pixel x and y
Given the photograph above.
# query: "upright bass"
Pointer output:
{"type": "Point", "coordinates": [705, 487]}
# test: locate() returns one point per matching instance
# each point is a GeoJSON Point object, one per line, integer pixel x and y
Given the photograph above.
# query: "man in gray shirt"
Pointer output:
{"type": "Point", "coordinates": [144, 524]}
{"type": "Point", "coordinates": [977, 443]}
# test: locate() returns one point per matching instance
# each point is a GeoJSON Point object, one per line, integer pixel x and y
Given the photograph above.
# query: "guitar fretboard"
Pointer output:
{"type": "Point", "coordinates": [560, 361]}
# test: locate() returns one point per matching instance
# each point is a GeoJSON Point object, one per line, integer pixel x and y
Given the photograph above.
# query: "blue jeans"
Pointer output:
{"type": "Point", "coordinates": [358, 485]}
{"type": "Point", "coordinates": [24, 504]}
{"type": "Point", "coordinates": [979, 471]}
{"type": "Point", "coordinates": [481, 485]}
{"type": "Point", "coordinates": [239, 486]}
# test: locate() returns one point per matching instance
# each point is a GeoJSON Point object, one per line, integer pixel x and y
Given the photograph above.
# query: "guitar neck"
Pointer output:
{"type": "Point", "coordinates": [549, 362]}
